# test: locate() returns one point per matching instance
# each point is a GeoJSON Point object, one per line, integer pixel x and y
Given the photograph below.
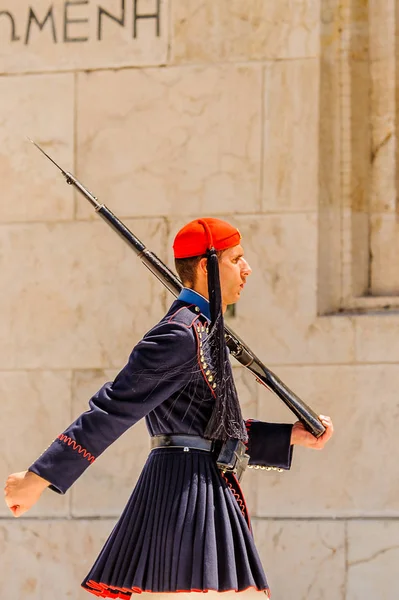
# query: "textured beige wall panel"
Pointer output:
{"type": "Point", "coordinates": [383, 104]}
{"type": "Point", "coordinates": [63, 35]}
{"type": "Point", "coordinates": [329, 267]}
{"type": "Point", "coordinates": [172, 141]}
{"type": "Point", "coordinates": [77, 296]}
{"type": "Point", "coordinates": [303, 561]}
{"type": "Point", "coordinates": [227, 30]}
{"type": "Point", "coordinates": [277, 314]}
{"type": "Point", "coordinates": [357, 138]}
{"type": "Point", "coordinates": [384, 240]}
{"type": "Point", "coordinates": [42, 108]}
{"type": "Point", "coordinates": [35, 404]}
{"type": "Point", "coordinates": [359, 258]}
{"type": "Point", "coordinates": [377, 338]}
{"type": "Point", "coordinates": [291, 119]}
{"type": "Point", "coordinates": [43, 560]}
{"type": "Point", "coordinates": [330, 155]}
{"type": "Point", "coordinates": [373, 554]}
{"type": "Point", "coordinates": [352, 476]}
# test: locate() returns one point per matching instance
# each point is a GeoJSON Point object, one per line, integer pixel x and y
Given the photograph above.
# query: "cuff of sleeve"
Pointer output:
{"type": "Point", "coordinates": [41, 473]}
{"type": "Point", "coordinates": [61, 465]}
{"type": "Point", "coordinates": [269, 444]}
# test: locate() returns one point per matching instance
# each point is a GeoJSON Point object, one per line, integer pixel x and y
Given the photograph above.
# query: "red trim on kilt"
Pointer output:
{"type": "Point", "coordinates": [237, 492]}
{"type": "Point", "coordinates": [103, 590]}
{"type": "Point", "coordinates": [245, 511]}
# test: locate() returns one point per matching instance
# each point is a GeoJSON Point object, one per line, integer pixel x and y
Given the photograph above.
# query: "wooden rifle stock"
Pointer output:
{"type": "Point", "coordinates": [237, 347]}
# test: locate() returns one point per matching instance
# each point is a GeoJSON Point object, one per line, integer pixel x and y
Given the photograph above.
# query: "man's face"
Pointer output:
{"type": "Point", "coordinates": [234, 271]}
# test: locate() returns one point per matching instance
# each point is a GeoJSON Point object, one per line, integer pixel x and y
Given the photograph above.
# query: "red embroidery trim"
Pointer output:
{"type": "Point", "coordinates": [106, 591]}
{"type": "Point", "coordinates": [246, 513]}
{"type": "Point", "coordinates": [248, 424]}
{"type": "Point", "coordinates": [77, 447]}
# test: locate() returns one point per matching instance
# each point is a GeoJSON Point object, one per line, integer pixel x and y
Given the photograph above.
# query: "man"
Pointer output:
{"type": "Point", "coordinates": [185, 527]}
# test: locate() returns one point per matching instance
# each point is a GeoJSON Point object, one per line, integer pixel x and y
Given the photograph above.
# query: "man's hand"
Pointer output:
{"type": "Point", "coordinates": [23, 490]}
{"type": "Point", "coordinates": [302, 437]}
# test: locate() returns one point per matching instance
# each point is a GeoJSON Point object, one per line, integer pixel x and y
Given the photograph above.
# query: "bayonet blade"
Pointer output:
{"type": "Point", "coordinates": [71, 179]}
{"type": "Point", "coordinates": [49, 157]}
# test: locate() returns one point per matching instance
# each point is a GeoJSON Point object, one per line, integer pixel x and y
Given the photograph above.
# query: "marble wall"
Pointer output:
{"type": "Point", "coordinates": [167, 110]}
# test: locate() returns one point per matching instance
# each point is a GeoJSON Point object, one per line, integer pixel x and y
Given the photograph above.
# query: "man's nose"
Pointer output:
{"type": "Point", "coordinates": [246, 269]}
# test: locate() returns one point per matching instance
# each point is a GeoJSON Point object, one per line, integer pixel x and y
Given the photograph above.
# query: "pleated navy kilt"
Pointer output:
{"type": "Point", "coordinates": [183, 529]}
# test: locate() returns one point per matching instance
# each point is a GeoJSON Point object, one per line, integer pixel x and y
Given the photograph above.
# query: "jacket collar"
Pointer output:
{"type": "Point", "coordinates": [191, 297]}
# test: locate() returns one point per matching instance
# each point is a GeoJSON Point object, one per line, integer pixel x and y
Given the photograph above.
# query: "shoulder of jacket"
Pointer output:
{"type": "Point", "coordinates": [179, 319]}
{"type": "Point", "coordinates": [185, 317]}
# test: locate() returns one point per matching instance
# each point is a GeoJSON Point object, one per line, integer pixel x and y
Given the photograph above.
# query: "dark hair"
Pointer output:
{"type": "Point", "coordinates": [187, 268]}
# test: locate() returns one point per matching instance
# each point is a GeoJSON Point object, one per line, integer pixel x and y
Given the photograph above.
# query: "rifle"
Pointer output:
{"type": "Point", "coordinates": [237, 347]}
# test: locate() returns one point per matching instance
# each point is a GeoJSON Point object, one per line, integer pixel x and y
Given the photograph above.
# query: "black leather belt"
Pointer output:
{"type": "Point", "coordinates": [230, 455]}
{"type": "Point", "coordinates": [194, 442]}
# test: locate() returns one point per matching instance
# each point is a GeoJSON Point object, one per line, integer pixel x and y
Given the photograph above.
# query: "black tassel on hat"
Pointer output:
{"type": "Point", "coordinates": [226, 420]}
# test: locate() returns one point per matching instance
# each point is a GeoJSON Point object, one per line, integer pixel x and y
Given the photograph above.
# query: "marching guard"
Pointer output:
{"type": "Point", "coordinates": [185, 527]}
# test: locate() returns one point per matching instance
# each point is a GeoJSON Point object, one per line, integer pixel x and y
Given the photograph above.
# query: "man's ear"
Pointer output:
{"type": "Point", "coordinates": [203, 265]}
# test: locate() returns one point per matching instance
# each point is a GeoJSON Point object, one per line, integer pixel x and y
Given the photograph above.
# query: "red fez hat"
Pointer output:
{"type": "Point", "coordinates": [198, 236]}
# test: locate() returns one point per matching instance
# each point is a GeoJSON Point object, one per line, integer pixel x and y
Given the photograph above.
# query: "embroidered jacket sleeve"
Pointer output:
{"type": "Point", "coordinates": [269, 444]}
{"type": "Point", "coordinates": [158, 366]}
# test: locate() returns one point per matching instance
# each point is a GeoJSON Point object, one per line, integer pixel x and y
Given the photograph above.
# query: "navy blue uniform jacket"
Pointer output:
{"type": "Point", "coordinates": [168, 380]}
